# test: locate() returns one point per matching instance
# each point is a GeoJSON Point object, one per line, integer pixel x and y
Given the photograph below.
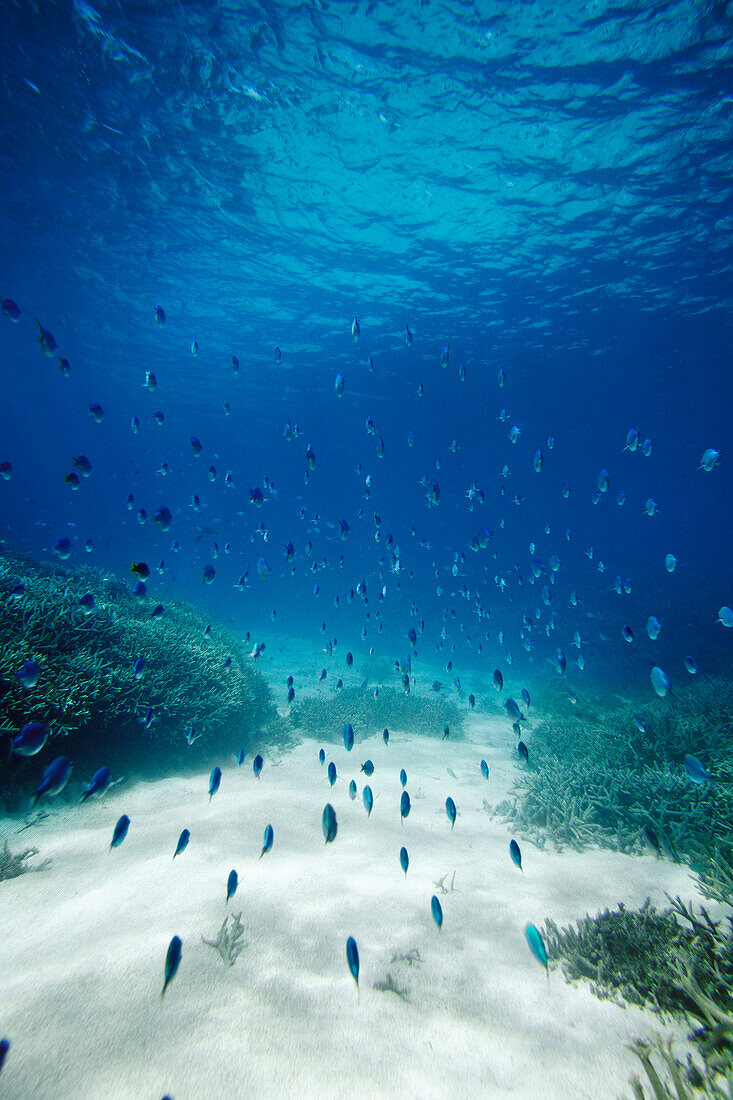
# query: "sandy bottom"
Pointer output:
{"type": "Point", "coordinates": [83, 943]}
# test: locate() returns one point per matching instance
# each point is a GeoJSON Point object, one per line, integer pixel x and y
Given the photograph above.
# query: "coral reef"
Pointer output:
{"type": "Point", "coordinates": [11, 866]}
{"type": "Point", "coordinates": [325, 716]}
{"type": "Point", "coordinates": [193, 676]}
{"type": "Point", "coordinates": [597, 779]}
{"type": "Point", "coordinates": [674, 962]}
{"type": "Point", "coordinates": [229, 941]}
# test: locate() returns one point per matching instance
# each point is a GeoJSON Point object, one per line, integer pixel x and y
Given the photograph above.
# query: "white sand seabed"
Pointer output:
{"type": "Point", "coordinates": [83, 942]}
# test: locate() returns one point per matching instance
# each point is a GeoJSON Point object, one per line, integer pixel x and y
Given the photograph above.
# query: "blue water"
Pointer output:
{"type": "Point", "coordinates": [543, 190]}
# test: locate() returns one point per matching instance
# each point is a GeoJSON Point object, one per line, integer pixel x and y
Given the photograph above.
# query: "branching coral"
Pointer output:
{"type": "Point", "coordinates": [86, 684]}
{"type": "Point", "coordinates": [11, 866]}
{"type": "Point", "coordinates": [600, 780]}
{"type": "Point", "coordinates": [675, 962]}
{"type": "Point", "coordinates": [325, 716]}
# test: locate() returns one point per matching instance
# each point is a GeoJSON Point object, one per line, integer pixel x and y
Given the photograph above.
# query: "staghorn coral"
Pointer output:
{"type": "Point", "coordinates": [325, 716]}
{"type": "Point", "coordinates": [599, 780]}
{"type": "Point", "coordinates": [11, 866]}
{"type": "Point", "coordinates": [229, 941]}
{"type": "Point", "coordinates": [674, 962]}
{"type": "Point", "coordinates": [86, 683]}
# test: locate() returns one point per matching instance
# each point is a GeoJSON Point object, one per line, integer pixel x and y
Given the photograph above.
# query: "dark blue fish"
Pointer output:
{"type": "Point", "coordinates": [55, 778]}
{"type": "Point", "coordinates": [330, 825]}
{"type": "Point", "coordinates": [352, 789]}
{"type": "Point", "coordinates": [404, 859]}
{"type": "Point", "coordinates": [471, 701]}
{"type": "Point", "coordinates": [139, 667]}
{"type": "Point", "coordinates": [404, 805]}
{"type": "Point", "coordinates": [172, 961]}
{"type": "Point", "coordinates": [214, 781]}
{"type": "Point", "coordinates": [96, 412]}
{"type": "Point", "coordinates": [525, 697]}
{"type": "Point", "coordinates": [403, 777]}
{"type": "Point", "coordinates": [537, 945]}
{"type": "Point", "coordinates": [696, 770]}
{"type": "Point", "coordinates": [182, 843]}
{"type": "Point", "coordinates": [348, 737]}
{"type": "Point", "coordinates": [45, 339]}
{"type": "Point", "coordinates": [515, 853]}
{"type": "Point", "coordinates": [385, 736]}
{"type": "Point", "coordinates": [11, 311]}
{"type": "Point", "coordinates": [523, 751]}
{"type": "Point", "coordinates": [513, 710]}
{"type": "Point", "coordinates": [498, 679]}
{"type": "Point", "coordinates": [321, 756]}
{"type": "Point", "coordinates": [232, 884]}
{"type": "Point", "coordinates": [368, 768]}
{"type": "Point", "coordinates": [28, 674]}
{"type": "Point", "coordinates": [257, 765]}
{"type": "Point", "coordinates": [241, 757]}
{"type": "Point", "coordinates": [484, 769]}
{"type": "Point", "coordinates": [157, 611]}
{"type": "Point", "coordinates": [368, 799]}
{"type": "Point", "coordinates": [437, 911]}
{"type": "Point", "coordinates": [331, 772]}
{"type": "Point", "coordinates": [450, 809]}
{"type": "Point", "coordinates": [120, 832]}
{"type": "Point", "coordinates": [352, 957]}
{"type": "Point", "coordinates": [268, 839]}
{"type": "Point", "coordinates": [29, 741]}
{"type": "Point", "coordinates": [4, 1048]}
{"type": "Point", "coordinates": [98, 784]}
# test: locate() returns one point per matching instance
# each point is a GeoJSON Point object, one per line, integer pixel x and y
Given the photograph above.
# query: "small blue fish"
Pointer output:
{"type": "Point", "coordinates": [523, 751]}
{"type": "Point", "coordinates": [241, 756]}
{"type": "Point", "coordinates": [368, 768]}
{"type": "Point", "coordinates": [403, 777]}
{"type": "Point", "coordinates": [450, 809]}
{"type": "Point", "coordinates": [172, 961]}
{"type": "Point", "coordinates": [352, 957]}
{"type": "Point", "coordinates": [498, 679]}
{"type": "Point", "coordinates": [232, 884]}
{"type": "Point", "coordinates": [696, 770]}
{"type": "Point", "coordinates": [330, 825]}
{"type": "Point", "coordinates": [268, 839]}
{"type": "Point", "coordinates": [321, 756]}
{"type": "Point", "coordinates": [331, 772]}
{"type": "Point", "coordinates": [352, 789]}
{"type": "Point", "coordinates": [385, 736]}
{"type": "Point", "coordinates": [516, 854]}
{"type": "Point", "coordinates": [437, 911]}
{"type": "Point", "coordinates": [120, 832]}
{"type": "Point", "coordinates": [484, 769]}
{"type": "Point", "coordinates": [513, 710]}
{"type": "Point", "coordinates": [182, 843]}
{"type": "Point", "coordinates": [257, 765]}
{"type": "Point", "coordinates": [404, 859]}
{"type": "Point", "coordinates": [367, 799]}
{"type": "Point", "coordinates": [348, 737]}
{"type": "Point", "coordinates": [55, 778]}
{"type": "Point", "coordinates": [4, 1048]}
{"type": "Point", "coordinates": [139, 667]}
{"type": "Point", "coordinates": [28, 674]}
{"type": "Point", "coordinates": [404, 805]}
{"type": "Point", "coordinates": [537, 945]}
{"type": "Point", "coordinates": [214, 781]}
{"type": "Point", "coordinates": [29, 741]}
{"type": "Point", "coordinates": [98, 784]}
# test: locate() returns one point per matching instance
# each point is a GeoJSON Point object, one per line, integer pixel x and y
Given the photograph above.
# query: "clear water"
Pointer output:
{"type": "Point", "coordinates": [544, 191]}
